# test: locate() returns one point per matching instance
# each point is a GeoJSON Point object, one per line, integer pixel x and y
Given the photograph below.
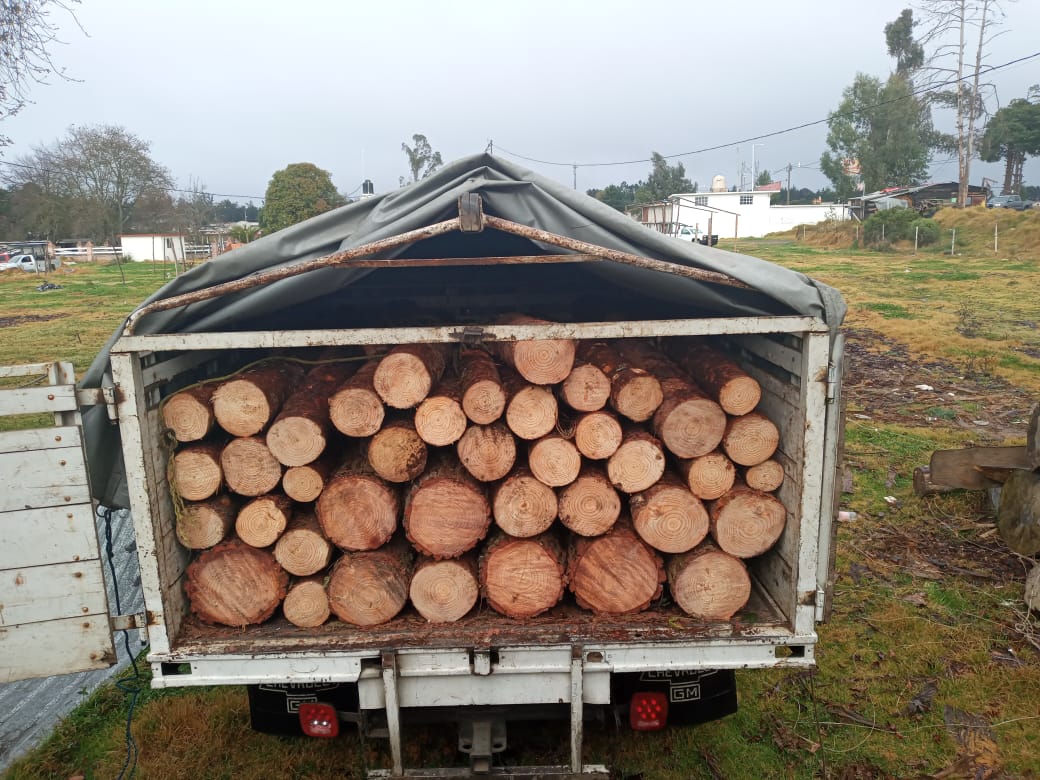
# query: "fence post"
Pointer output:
{"type": "Point", "coordinates": [995, 225]}
{"type": "Point", "coordinates": [917, 229]}
{"type": "Point", "coordinates": [953, 241]}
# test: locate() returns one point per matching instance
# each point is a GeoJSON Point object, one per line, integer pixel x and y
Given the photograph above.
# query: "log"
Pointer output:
{"type": "Point", "coordinates": [597, 435]}
{"type": "Point", "coordinates": [483, 397]}
{"type": "Point", "coordinates": [396, 452]}
{"type": "Point", "coordinates": [1031, 592]}
{"type": "Point", "coordinates": [307, 604]}
{"type": "Point", "coordinates": [488, 452]}
{"type": "Point", "coordinates": [590, 505]}
{"type": "Point", "coordinates": [355, 408]}
{"type": "Point", "coordinates": [708, 476]}
{"type": "Point", "coordinates": [924, 485]}
{"type": "Point", "coordinates": [305, 483]}
{"type": "Point", "coordinates": [369, 588]}
{"type": "Point", "coordinates": [634, 393]}
{"type": "Point", "coordinates": [444, 591]}
{"type": "Point", "coordinates": [1033, 438]}
{"type": "Point", "coordinates": [407, 374]}
{"type": "Point", "coordinates": [446, 511]}
{"type": "Point", "coordinates": [615, 573]}
{"type": "Point", "coordinates": [531, 410]}
{"type": "Point", "coordinates": [962, 468]}
{"type": "Point", "coordinates": [554, 460]}
{"type": "Point", "coordinates": [358, 509]}
{"type": "Point", "coordinates": [249, 467]}
{"type": "Point", "coordinates": [189, 413]}
{"type": "Point", "coordinates": [301, 431]}
{"type": "Point", "coordinates": [668, 517]}
{"type": "Point", "coordinates": [440, 420]}
{"type": "Point", "coordinates": [247, 402]}
{"type": "Point", "coordinates": [203, 524]}
{"type": "Point", "coordinates": [750, 439]}
{"type": "Point", "coordinates": [261, 521]}
{"type": "Point", "coordinates": [196, 473]}
{"type": "Point", "coordinates": [586, 388]}
{"type": "Point", "coordinates": [303, 549]}
{"type": "Point", "coordinates": [708, 583]}
{"type": "Point", "coordinates": [235, 584]}
{"type": "Point", "coordinates": [539, 361]}
{"type": "Point", "coordinates": [766, 476]}
{"type": "Point", "coordinates": [522, 505]}
{"type": "Point", "coordinates": [725, 382]}
{"type": "Point", "coordinates": [522, 578]}
{"type": "Point", "coordinates": [638, 463]}
{"type": "Point", "coordinates": [1018, 514]}
{"type": "Point", "coordinates": [746, 522]}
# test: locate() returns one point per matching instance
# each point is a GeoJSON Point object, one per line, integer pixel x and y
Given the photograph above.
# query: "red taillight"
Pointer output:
{"type": "Point", "coordinates": [648, 711]}
{"type": "Point", "coordinates": [319, 720]}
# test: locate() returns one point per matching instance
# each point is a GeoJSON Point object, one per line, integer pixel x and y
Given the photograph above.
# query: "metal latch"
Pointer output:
{"type": "Point", "coordinates": [95, 396]}
{"type": "Point", "coordinates": [470, 334]}
{"type": "Point", "coordinates": [821, 603]}
{"type": "Point", "coordinates": [127, 622]}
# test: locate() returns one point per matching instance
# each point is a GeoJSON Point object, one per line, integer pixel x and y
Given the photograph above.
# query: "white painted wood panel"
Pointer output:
{"type": "Point", "coordinates": [43, 478]}
{"type": "Point", "coordinates": [30, 400]}
{"type": "Point", "coordinates": [55, 647]}
{"type": "Point", "coordinates": [37, 537]}
{"type": "Point", "coordinates": [65, 590]}
{"type": "Point", "coordinates": [39, 439]}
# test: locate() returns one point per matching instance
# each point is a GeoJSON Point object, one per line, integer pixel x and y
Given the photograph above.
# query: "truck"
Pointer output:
{"type": "Point", "coordinates": [439, 262]}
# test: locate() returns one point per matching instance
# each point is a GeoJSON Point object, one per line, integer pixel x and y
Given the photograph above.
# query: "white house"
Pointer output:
{"type": "Point", "coordinates": [154, 246]}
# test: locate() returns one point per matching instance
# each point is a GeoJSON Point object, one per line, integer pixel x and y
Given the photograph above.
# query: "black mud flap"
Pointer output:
{"type": "Point", "coordinates": [693, 697]}
{"type": "Point", "coordinates": [274, 708]}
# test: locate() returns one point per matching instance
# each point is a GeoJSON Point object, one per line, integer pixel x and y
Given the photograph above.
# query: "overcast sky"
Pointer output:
{"type": "Point", "coordinates": [227, 91]}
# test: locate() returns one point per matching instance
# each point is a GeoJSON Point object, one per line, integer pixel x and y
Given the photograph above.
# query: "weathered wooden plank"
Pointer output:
{"type": "Point", "coordinates": [40, 439]}
{"type": "Point", "coordinates": [43, 478]}
{"type": "Point", "coordinates": [1033, 438]}
{"type": "Point", "coordinates": [35, 594]}
{"type": "Point", "coordinates": [32, 400]}
{"type": "Point", "coordinates": [37, 537]}
{"type": "Point", "coordinates": [959, 468]}
{"type": "Point", "coordinates": [76, 644]}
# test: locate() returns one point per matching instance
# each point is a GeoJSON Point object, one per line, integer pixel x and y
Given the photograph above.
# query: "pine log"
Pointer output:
{"type": "Point", "coordinates": [522, 505]}
{"type": "Point", "coordinates": [196, 473]}
{"type": "Point", "coordinates": [668, 517]}
{"type": "Point", "coordinates": [440, 420]}
{"type": "Point", "coordinates": [746, 522]}
{"type": "Point", "coordinates": [1018, 513]}
{"type": "Point", "coordinates": [247, 402]}
{"type": "Point", "coordinates": [408, 373]}
{"type": "Point", "coordinates": [303, 549]}
{"type": "Point", "coordinates": [396, 452]}
{"type": "Point", "coordinates": [597, 435]}
{"type": "Point", "coordinates": [750, 439]}
{"type": "Point", "coordinates": [634, 393]}
{"type": "Point", "coordinates": [444, 591]}
{"type": "Point", "coordinates": [539, 361]}
{"type": "Point", "coordinates": [638, 463]}
{"type": "Point", "coordinates": [369, 588]}
{"type": "Point", "coordinates": [736, 391]}
{"type": "Point", "coordinates": [355, 408]}
{"type": "Point", "coordinates": [590, 505]}
{"type": "Point", "coordinates": [203, 524]}
{"type": "Point", "coordinates": [358, 509]}
{"type": "Point", "coordinates": [261, 521]}
{"type": "Point", "coordinates": [487, 451]}
{"type": "Point", "coordinates": [766, 476]}
{"type": "Point", "coordinates": [234, 584]}
{"type": "Point", "coordinates": [923, 484]}
{"type": "Point", "coordinates": [1033, 438]}
{"type": "Point", "coordinates": [307, 604]}
{"type": "Point", "coordinates": [483, 397]}
{"type": "Point", "coordinates": [615, 573]}
{"type": "Point", "coordinates": [446, 511]}
{"type": "Point", "coordinates": [708, 583]}
{"type": "Point", "coordinates": [1031, 592]}
{"type": "Point", "coordinates": [305, 483]}
{"type": "Point", "coordinates": [189, 413]}
{"type": "Point", "coordinates": [554, 460]}
{"type": "Point", "coordinates": [522, 578]}
{"type": "Point", "coordinates": [301, 431]}
{"type": "Point", "coordinates": [586, 388]}
{"type": "Point", "coordinates": [249, 467]}
{"type": "Point", "coordinates": [708, 476]}
{"type": "Point", "coordinates": [531, 410]}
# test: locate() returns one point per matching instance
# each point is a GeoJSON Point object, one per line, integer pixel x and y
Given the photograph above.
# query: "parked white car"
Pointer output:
{"type": "Point", "coordinates": [27, 263]}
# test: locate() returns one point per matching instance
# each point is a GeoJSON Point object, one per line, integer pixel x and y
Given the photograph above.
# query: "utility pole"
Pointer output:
{"type": "Point", "coordinates": [788, 184]}
{"type": "Point", "coordinates": [574, 168]}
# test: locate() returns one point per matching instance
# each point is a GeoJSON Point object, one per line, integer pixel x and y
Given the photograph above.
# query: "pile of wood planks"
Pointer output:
{"type": "Point", "coordinates": [441, 474]}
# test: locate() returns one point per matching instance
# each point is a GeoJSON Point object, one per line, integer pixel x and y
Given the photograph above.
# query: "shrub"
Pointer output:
{"type": "Point", "coordinates": [928, 231]}
{"type": "Point", "coordinates": [887, 226]}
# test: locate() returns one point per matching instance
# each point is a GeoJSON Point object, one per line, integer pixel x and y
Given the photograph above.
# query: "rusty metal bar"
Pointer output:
{"type": "Point", "coordinates": [437, 262]}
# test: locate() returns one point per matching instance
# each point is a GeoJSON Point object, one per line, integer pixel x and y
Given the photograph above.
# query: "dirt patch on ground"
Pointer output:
{"type": "Point", "coordinates": [25, 319]}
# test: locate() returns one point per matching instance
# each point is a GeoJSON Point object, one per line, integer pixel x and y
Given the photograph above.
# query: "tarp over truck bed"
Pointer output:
{"type": "Point", "coordinates": [508, 192]}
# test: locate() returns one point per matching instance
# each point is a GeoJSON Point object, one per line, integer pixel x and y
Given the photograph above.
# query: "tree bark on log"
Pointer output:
{"type": "Point", "coordinates": [736, 391]}
{"type": "Point", "coordinates": [446, 512]}
{"type": "Point", "coordinates": [554, 460]}
{"type": "Point", "coordinates": [440, 420]}
{"type": "Point", "coordinates": [261, 521]}
{"type": "Point", "coordinates": [539, 361]}
{"type": "Point", "coordinates": [408, 373]}
{"type": "Point", "coordinates": [300, 432]}
{"type": "Point", "coordinates": [1033, 438]}
{"type": "Point", "coordinates": [766, 476]}
{"type": "Point", "coordinates": [189, 413]}
{"type": "Point", "coordinates": [708, 583]}
{"type": "Point", "coordinates": [206, 523]}
{"type": "Point", "coordinates": [522, 505]}
{"type": "Point", "coordinates": [307, 604]}
{"type": "Point", "coordinates": [396, 451]}
{"type": "Point", "coordinates": [197, 473]}
{"type": "Point", "coordinates": [369, 588]}
{"type": "Point", "coordinates": [303, 549]}
{"type": "Point", "coordinates": [531, 410]}
{"type": "Point", "coordinates": [355, 408]}
{"type": "Point", "coordinates": [358, 509]}
{"type": "Point", "coordinates": [638, 463]}
{"type": "Point", "coordinates": [1018, 515]}
{"type": "Point", "coordinates": [249, 467]}
{"type": "Point", "coordinates": [668, 517]}
{"type": "Point", "coordinates": [234, 584]}
{"type": "Point", "coordinates": [615, 573]}
{"type": "Point", "coordinates": [746, 522]}
{"type": "Point", "coordinates": [483, 397]}
{"type": "Point", "coordinates": [487, 451]}
{"type": "Point", "coordinates": [634, 393]}
{"type": "Point", "coordinates": [247, 402]}
{"type": "Point", "coordinates": [521, 578]}
{"type": "Point", "coordinates": [750, 439]}
{"type": "Point", "coordinates": [590, 505]}
{"type": "Point", "coordinates": [597, 435]}
{"type": "Point", "coordinates": [586, 388]}
{"type": "Point", "coordinates": [305, 483]}
{"type": "Point", "coordinates": [444, 591]}
{"type": "Point", "coordinates": [708, 476]}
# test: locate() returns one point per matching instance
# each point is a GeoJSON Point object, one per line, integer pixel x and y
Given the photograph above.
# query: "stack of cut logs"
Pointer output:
{"type": "Point", "coordinates": [440, 474]}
